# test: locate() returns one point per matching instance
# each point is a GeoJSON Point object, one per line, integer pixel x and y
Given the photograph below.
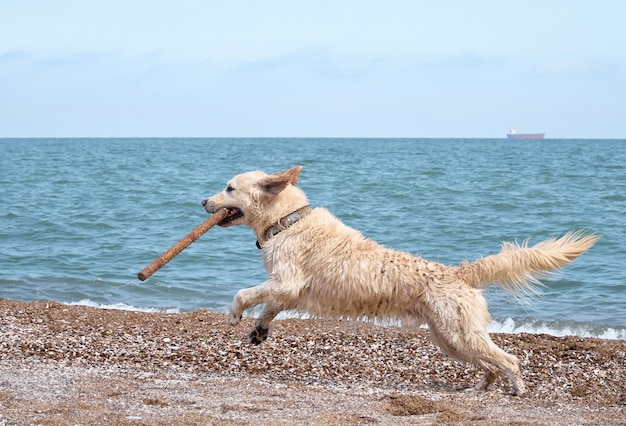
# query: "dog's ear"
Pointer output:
{"type": "Point", "coordinates": [273, 184]}
{"type": "Point", "coordinates": [293, 174]}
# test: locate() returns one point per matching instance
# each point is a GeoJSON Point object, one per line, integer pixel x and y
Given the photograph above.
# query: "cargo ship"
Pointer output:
{"type": "Point", "coordinates": [514, 135]}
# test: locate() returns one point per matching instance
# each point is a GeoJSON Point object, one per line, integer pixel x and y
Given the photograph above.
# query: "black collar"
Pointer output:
{"type": "Point", "coordinates": [283, 224]}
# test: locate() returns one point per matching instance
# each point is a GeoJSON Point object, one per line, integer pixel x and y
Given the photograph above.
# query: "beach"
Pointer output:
{"type": "Point", "coordinates": [62, 364]}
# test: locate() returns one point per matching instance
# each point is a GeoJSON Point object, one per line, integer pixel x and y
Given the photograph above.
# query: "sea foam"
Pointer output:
{"type": "Point", "coordinates": [507, 325]}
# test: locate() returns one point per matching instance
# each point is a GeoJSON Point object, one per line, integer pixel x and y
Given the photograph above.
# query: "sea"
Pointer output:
{"type": "Point", "coordinates": [79, 218]}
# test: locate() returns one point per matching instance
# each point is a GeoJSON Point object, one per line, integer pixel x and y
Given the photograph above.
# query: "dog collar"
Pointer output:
{"type": "Point", "coordinates": [283, 224]}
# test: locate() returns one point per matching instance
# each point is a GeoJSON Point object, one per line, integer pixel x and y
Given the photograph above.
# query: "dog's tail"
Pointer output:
{"type": "Point", "coordinates": [518, 267]}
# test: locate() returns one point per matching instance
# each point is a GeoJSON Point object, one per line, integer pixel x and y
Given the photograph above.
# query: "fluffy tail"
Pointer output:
{"type": "Point", "coordinates": [519, 268]}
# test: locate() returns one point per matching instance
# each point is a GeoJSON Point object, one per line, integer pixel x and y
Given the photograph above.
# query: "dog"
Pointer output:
{"type": "Point", "coordinates": [319, 265]}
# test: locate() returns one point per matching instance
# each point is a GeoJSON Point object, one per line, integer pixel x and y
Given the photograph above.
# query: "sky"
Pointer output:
{"type": "Point", "coordinates": [300, 68]}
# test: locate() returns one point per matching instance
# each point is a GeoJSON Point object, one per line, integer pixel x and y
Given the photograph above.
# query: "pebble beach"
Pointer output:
{"type": "Point", "coordinates": [62, 364]}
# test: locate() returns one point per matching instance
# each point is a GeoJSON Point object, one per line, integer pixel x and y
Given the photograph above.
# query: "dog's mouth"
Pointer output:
{"type": "Point", "coordinates": [233, 214]}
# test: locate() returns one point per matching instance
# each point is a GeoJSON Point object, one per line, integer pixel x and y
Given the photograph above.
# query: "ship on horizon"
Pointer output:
{"type": "Point", "coordinates": [514, 135]}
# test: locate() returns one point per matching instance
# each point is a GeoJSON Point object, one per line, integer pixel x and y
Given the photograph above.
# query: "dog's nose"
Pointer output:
{"type": "Point", "coordinates": [204, 203]}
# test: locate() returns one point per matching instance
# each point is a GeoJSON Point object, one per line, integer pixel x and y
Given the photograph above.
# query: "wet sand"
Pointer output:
{"type": "Point", "coordinates": [64, 365]}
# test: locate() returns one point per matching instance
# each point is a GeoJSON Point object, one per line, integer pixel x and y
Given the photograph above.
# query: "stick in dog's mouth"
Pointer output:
{"type": "Point", "coordinates": [233, 213]}
{"type": "Point", "coordinates": [209, 223]}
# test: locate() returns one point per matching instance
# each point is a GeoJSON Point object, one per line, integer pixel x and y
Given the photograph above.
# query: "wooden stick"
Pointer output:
{"type": "Point", "coordinates": [160, 261]}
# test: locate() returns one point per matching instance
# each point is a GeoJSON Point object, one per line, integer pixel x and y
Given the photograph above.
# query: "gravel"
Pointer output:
{"type": "Point", "coordinates": [62, 365]}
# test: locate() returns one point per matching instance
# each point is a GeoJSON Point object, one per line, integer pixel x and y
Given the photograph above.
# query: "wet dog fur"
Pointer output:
{"type": "Point", "coordinates": [321, 266]}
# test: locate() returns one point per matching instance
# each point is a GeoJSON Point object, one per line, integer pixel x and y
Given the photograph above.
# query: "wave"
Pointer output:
{"type": "Point", "coordinates": [557, 328]}
{"type": "Point", "coordinates": [516, 326]}
{"type": "Point", "coordinates": [122, 307]}
{"type": "Point", "coordinates": [508, 325]}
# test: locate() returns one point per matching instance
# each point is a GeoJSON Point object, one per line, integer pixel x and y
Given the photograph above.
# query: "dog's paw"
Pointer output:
{"type": "Point", "coordinates": [519, 390]}
{"type": "Point", "coordinates": [231, 319]}
{"type": "Point", "coordinates": [258, 335]}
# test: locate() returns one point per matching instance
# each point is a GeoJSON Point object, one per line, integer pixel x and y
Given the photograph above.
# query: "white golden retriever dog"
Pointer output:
{"type": "Point", "coordinates": [317, 264]}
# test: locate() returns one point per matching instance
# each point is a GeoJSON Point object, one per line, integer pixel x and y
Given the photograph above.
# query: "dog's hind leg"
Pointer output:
{"type": "Point", "coordinates": [490, 376]}
{"type": "Point", "coordinates": [476, 346]}
{"type": "Point", "coordinates": [488, 353]}
{"type": "Point", "coordinates": [449, 349]}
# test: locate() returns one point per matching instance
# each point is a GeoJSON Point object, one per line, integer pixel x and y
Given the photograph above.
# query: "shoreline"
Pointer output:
{"type": "Point", "coordinates": [67, 364]}
{"type": "Point", "coordinates": [507, 325]}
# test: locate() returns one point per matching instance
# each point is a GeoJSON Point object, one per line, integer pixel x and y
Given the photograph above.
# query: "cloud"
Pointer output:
{"type": "Point", "coordinates": [321, 61]}
{"type": "Point", "coordinates": [13, 56]}
{"type": "Point", "coordinates": [569, 67]}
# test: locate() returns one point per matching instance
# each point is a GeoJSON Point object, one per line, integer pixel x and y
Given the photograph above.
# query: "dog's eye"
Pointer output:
{"type": "Point", "coordinates": [229, 188]}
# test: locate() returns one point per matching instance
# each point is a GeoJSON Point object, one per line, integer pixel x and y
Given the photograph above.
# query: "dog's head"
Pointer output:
{"type": "Point", "coordinates": [258, 200]}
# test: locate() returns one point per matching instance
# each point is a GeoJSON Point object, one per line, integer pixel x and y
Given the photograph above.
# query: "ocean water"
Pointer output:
{"type": "Point", "coordinates": [80, 217]}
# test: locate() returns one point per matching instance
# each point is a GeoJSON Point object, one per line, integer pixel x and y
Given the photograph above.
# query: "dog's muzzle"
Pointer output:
{"type": "Point", "coordinates": [233, 212]}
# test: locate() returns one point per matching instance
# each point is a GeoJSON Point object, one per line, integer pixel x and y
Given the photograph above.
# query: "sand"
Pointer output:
{"type": "Point", "coordinates": [75, 365]}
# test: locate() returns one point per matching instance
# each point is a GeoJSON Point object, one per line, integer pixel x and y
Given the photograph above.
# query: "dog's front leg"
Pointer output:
{"type": "Point", "coordinates": [245, 299]}
{"type": "Point", "coordinates": [261, 328]}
